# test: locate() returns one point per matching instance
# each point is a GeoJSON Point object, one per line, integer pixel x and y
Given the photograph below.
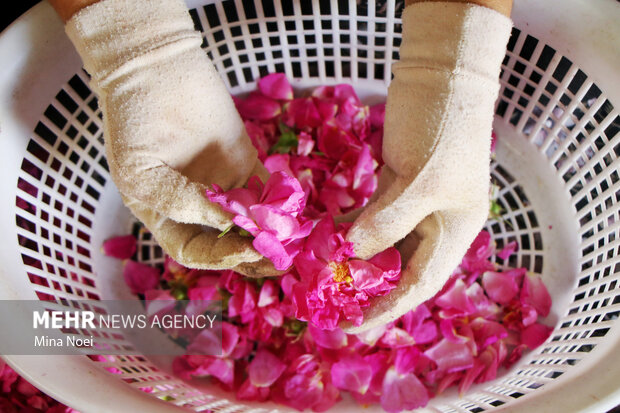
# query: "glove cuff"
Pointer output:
{"type": "Point", "coordinates": [454, 37]}
{"type": "Point", "coordinates": [110, 33]}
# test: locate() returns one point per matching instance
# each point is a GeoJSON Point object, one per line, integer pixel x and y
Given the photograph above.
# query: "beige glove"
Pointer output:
{"type": "Point", "coordinates": [434, 188]}
{"type": "Point", "coordinates": [170, 127]}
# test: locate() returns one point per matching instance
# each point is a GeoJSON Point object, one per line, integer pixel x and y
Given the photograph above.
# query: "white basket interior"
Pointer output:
{"type": "Point", "coordinates": [556, 166]}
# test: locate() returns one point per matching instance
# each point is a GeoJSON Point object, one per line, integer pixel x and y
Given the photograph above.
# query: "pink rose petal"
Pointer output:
{"type": "Point", "coordinates": [123, 247]}
{"type": "Point", "coordinates": [402, 392]}
{"type": "Point", "coordinates": [500, 287]}
{"type": "Point", "coordinates": [276, 86]}
{"type": "Point", "coordinates": [406, 359]}
{"type": "Point", "coordinates": [536, 334]}
{"type": "Point", "coordinates": [258, 107]}
{"type": "Point", "coordinates": [140, 277]}
{"type": "Point", "coordinates": [450, 357]}
{"type": "Point", "coordinates": [456, 298]}
{"type": "Point", "coordinates": [268, 294]}
{"type": "Point", "coordinates": [332, 339]}
{"type": "Point", "coordinates": [302, 113]}
{"type": "Point", "coordinates": [270, 247]}
{"type": "Point", "coordinates": [534, 293]}
{"type": "Point", "coordinates": [508, 250]}
{"type": "Point", "coordinates": [352, 373]}
{"type": "Point", "coordinates": [265, 368]}
{"type": "Point", "coordinates": [396, 337]}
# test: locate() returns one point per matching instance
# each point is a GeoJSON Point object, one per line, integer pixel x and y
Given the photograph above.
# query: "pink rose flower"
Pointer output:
{"type": "Point", "coordinates": [335, 286]}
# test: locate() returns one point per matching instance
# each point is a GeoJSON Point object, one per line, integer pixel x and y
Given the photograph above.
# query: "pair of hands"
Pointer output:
{"type": "Point", "coordinates": [171, 129]}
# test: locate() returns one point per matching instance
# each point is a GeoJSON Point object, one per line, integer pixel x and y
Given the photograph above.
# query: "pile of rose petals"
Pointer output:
{"type": "Point", "coordinates": [280, 335]}
{"type": "Point", "coordinates": [17, 395]}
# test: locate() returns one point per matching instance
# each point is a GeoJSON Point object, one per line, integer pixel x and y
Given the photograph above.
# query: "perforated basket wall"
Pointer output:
{"type": "Point", "coordinates": [556, 168]}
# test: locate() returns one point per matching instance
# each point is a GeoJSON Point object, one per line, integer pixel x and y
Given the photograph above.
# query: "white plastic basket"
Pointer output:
{"type": "Point", "coordinates": [557, 167]}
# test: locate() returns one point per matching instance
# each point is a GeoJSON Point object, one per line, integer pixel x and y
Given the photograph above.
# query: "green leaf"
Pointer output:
{"type": "Point", "coordinates": [226, 231]}
{"type": "Point", "coordinates": [284, 128]}
{"type": "Point", "coordinates": [496, 209]}
{"type": "Point", "coordinates": [288, 140]}
{"type": "Point", "coordinates": [294, 328]}
{"type": "Point", "coordinates": [178, 289]}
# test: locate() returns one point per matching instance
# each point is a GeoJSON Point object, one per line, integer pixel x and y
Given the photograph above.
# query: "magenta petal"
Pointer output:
{"type": "Point", "coordinates": [265, 368]}
{"type": "Point", "coordinates": [316, 241]}
{"type": "Point", "coordinates": [199, 298]}
{"type": "Point", "coordinates": [282, 225]}
{"type": "Point", "coordinates": [332, 339]}
{"type": "Point", "coordinates": [536, 334]}
{"type": "Point", "coordinates": [248, 391]}
{"type": "Point", "coordinates": [397, 337]}
{"type": "Point", "coordinates": [365, 275]}
{"type": "Point", "coordinates": [305, 145]}
{"type": "Point", "coordinates": [258, 107]}
{"type": "Point", "coordinates": [122, 247]}
{"type": "Point", "coordinates": [278, 162]}
{"type": "Point", "coordinates": [370, 337]}
{"type": "Point", "coordinates": [247, 224]}
{"type": "Point", "coordinates": [257, 135]}
{"type": "Point", "coordinates": [389, 261]}
{"type": "Point", "coordinates": [487, 332]}
{"type": "Point", "coordinates": [335, 142]}
{"type": "Point", "coordinates": [223, 370]}
{"type": "Point", "coordinates": [205, 343]}
{"type": "Point", "coordinates": [500, 287]}
{"type": "Point", "coordinates": [303, 113]}
{"type": "Point", "coordinates": [476, 258]}
{"type": "Point", "coordinates": [508, 250]}
{"type": "Point", "coordinates": [237, 200]}
{"type": "Point", "coordinates": [352, 373]}
{"type": "Point", "coordinates": [140, 277]}
{"type": "Point", "coordinates": [230, 338]}
{"type": "Point", "coordinates": [268, 294]}
{"type": "Point", "coordinates": [484, 307]}
{"type": "Point", "coordinates": [243, 300]}
{"type": "Point", "coordinates": [425, 333]}
{"type": "Point", "coordinates": [276, 86]}
{"type": "Point", "coordinates": [287, 281]}
{"type": "Point", "coordinates": [450, 357]}
{"type": "Point", "coordinates": [308, 266]}
{"type": "Point", "coordinates": [406, 359]}
{"type": "Point", "coordinates": [448, 329]}
{"type": "Point", "coordinates": [377, 115]}
{"type": "Point", "coordinates": [325, 318]}
{"type": "Point", "coordinates": [534, 293]}
{"type": "Point", "coordinates": [365, 167]}
{"type": "Point", "coordinates": [271, 248]}
{"type": "Point", "coordinates": [413, 319]}
{"type": "Point", "coordinates": [202, 293]}
{"type": "Point", "coordinates": [456, 298]}
{"type": "Point", "coordinates": [284, 192]}
{"type": "Point", "coordinates": [481, 248]}
{"type": "Point", "coordinates": [158, 302]}
{"type": "Point", "coordinates": [328, 110]}
{"type": "Point", "coordinates": [529, 315]}
{"type": "Point", "coordinates": [402, 392]}
{"type": "Point", "coordinates": [273, 316]}
{"type": "Point", "coordinates": [470, 375]}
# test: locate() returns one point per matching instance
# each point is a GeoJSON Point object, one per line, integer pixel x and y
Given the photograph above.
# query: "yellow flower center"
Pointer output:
{"type": "Point", "coordinates": [341, 272]}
